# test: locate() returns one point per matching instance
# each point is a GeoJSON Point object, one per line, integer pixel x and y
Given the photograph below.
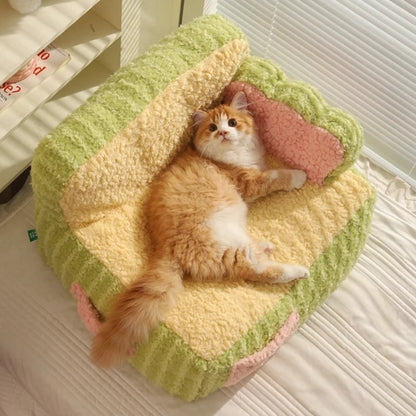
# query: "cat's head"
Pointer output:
{"type": "Point", "coordinates": [226, 131]}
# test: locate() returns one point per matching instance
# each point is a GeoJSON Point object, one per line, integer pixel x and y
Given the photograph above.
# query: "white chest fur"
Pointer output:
{"type": "Point", "coordinates": [246, 155]}
{"type": "Point", "coordinates": [228, 225]}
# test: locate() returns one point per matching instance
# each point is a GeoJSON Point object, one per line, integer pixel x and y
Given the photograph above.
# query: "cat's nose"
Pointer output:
{"type": "Point", "coordinates": [223, 133]}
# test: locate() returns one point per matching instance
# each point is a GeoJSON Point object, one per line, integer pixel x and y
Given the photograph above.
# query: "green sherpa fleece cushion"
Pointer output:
{"type": "Point", "coordinates": [91, 178]}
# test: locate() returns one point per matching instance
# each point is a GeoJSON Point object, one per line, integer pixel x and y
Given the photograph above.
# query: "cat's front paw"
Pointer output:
{"type": "Point", "coordinates": [298, 179]}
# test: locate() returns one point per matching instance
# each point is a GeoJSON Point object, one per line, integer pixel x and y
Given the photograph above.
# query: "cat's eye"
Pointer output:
{"type": "Point", "coordinates": [212, 127]}
{"type": "Point", "coordinates": [232, 122]}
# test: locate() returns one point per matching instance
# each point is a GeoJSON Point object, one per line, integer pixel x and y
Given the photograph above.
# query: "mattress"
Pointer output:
{"type": "Point", "coordinates": [355, 354]}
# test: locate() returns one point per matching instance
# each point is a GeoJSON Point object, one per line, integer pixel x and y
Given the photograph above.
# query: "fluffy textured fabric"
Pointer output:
{"type": "Point", "coordinates": [252, 363]}
{"type": "Point", "coordinates": [309, 104]}
{"type": "Point", "coordinates": [289, 137]}
{"type": "Point", "coordinates": [91, 177]}
{"type": "Point", "coordinates": [88, 314]}
{"type": "Point", "coordinates": [102, 201]}
{"type": "Point", "coordinates": [301, 225]}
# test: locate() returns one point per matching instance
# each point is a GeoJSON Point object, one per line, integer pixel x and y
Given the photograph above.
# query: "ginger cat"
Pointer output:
{"type": "Point", "coordinates": [197, 218]}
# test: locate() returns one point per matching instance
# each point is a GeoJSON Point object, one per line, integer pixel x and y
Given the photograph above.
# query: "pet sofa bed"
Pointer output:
{"type": "Point", "coordinates": [91, 178]}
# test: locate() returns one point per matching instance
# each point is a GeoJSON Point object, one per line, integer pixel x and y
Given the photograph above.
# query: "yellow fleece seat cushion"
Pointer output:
{"type": "Point", "coordinates": [91, 179]}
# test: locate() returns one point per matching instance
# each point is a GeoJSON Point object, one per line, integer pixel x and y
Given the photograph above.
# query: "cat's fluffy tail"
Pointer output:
{"type": "Point", "coordinates": [136, 312]}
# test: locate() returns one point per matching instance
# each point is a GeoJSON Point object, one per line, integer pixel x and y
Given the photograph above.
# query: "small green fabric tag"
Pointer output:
{"type": "Point", "coordinates": [32, 235]}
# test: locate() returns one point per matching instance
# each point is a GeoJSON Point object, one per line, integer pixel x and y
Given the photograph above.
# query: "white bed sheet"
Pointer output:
{"type": "Point", "coordinates": [356, 355]}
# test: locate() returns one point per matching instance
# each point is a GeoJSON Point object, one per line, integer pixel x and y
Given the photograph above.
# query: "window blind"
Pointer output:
{"type": "Point", "coordinates": [361, 55]}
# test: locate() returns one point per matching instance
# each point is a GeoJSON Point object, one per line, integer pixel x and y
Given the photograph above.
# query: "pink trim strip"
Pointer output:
{"type": "Point", "coordinates": [289, 137]}
{"type": "Point", "coordinates": [88, 314]}
{"type": "Point", "coordinates": [248, 365]}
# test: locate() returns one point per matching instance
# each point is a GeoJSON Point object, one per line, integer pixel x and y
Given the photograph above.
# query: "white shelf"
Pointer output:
{"type": "Point", "coordinates": [85, 40]}
{"type": "Point", "coordinates": [86, 28]}
{"type": "Point", "coordinates": [16, 151]}
{"type": "Point", "coordinates": [22, 36]}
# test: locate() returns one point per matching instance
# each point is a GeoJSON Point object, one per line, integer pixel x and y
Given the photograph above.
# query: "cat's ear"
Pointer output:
{"type": "Point", "coordinates": [239, 101]}
{"type": "Point", "coordinates": [199, 115]}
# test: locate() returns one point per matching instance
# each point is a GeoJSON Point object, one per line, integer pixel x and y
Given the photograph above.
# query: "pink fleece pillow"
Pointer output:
{"type": "Point", "coordinates": [289, 137]}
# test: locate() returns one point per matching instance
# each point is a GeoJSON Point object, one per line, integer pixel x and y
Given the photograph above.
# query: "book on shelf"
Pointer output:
{"type": "Point", "coordinates": [35, 71]}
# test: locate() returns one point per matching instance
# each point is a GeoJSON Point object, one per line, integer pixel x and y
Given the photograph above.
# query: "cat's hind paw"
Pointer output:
{"type": "Point", "coordinates": [293, 272]}
{"type": "Point", "coordinates": [267, 247]}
